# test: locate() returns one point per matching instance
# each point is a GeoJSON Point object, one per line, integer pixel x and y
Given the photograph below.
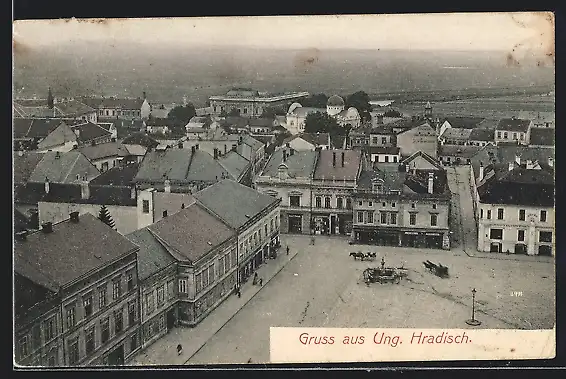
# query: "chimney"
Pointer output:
{"type": "Point", "coordinates": [46, 185]}
{"type": "Point", "coordinates": [518, 159]}
{"type": "Point", "coordinates": [333, 159]}
{"type": "Point", "coordinates": [215, 153]}
{"type": "Point", "coordinates": [74, 217]}
{"type": "Point", "coordinates": [551, 161]}
{"type": "Point", "coordinates": [167, 186]}
{"type": "Point", "coordinates": [50, 99]}
{"type": "Point", "coordinates": [343, 154]}
{"type": "Point", "coordinates": [144, 95]}
{"type": "Point", "coordinates": [430, 182]}
{"type": "Point", "coordinates": [481, 171]}
{"type": "Point", "coordinates": [85, 190]}
{"type": "Point", "coordinates": [47, 227]}
{"type": "Point", "coordinates": [21, 235]}
{"type": "Point", "coordinates": [512, 165]}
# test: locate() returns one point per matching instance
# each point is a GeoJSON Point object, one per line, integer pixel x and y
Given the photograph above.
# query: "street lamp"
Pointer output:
{"type": "Point", "coordinates": [473, 321]}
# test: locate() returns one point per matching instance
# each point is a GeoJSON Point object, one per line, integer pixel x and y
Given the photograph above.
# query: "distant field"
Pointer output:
{"type": "Point", "coordinates": [493, 108]}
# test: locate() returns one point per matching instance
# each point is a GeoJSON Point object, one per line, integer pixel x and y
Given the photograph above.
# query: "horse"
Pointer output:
{"type": "Point", "coordinates": [370, 256]}
{"type": "Point", "coordinates": [359, 255]}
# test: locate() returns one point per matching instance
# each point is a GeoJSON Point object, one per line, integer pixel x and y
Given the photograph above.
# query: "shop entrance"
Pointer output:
{"type": "Point", "coordinates": [295, 223]}
{"type": "Point", "coordinates": [116, 357]}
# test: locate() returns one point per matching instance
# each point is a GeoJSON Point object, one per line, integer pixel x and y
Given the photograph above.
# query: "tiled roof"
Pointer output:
{"type": "Point", "coordinates": [455, 133]}
{"type": "Point", "coordinates": [192, 233]}
{"type": "Point", "coordinates": [513, 125]}
{"type": "Point", "coordinates": [252, 142]}
{"type": "Point", "coordinates": [458, 151]}
{"type": "Point", "coordinates": [261, 122]}
{"type": "Point", "coordinates": [152, 256]}
{"type": "Point", "coordinates": [418, 182]}
{"type": "Point", "coordinates": [464, 122]}
{"type": "Point", "coordinates": [204, 168]}
{"type": "Point", "coordinates": [70, 251]}
{"type": "Point", "coordinates": [116, 103]}
{"type": "Point", "coordinates": [480, 134]}
{"type": "Point", "coordinates": [542, 136]}
{"type": "Point", "coordinates": [235, 122]}
{"type": "Point", "coordinates": [316, 138]}
{"type": "Point", "coordinates": [136, 150]}
{"type": "Point", "coordinates": [304, 111]}
{"type": "Point", "coordinates": [300, 164]}
{"type": "Point", "coordinates": [140, 139]}
{"type": "Point", "coordinates": [24, 164]}
{"type": "Point", "coordinates": [234, 163]}
{"type": "Point", "coordinates": [117, 176]}
{"type": "Point", "coordinates": [159, 165]}
{"type": "Point", "coordinates": [89, 131]}
{"type": "Point", "coordinates": [72, 108]}
{"type": "Point", "coordinates": [104, 150]}
{"type": "Point", "coordinates": [171, 202]}
{"type": "Point", "coordinates": [326, 170]}
{"type": "Point", "coordinates": [237, 213]}
{"type": "Point", "coordinates": [393, 179]}
{"type": "Point", "coordinates": [383, 150]}
{"type": "Point", "coordinates": [21, 127]}
{"type": "Point", "coordinates": [63, 167]}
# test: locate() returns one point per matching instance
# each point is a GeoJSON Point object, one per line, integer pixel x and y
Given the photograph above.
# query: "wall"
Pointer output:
{"type": "Point", "coordinates": [145, 219]}
{"type": "Point", "coordinates": [418, 139]}
{"type": "Point", "coordinates": [125, 217]}
{"type": "Point", "coordinates": [61, 139]}
{"type": "Point", "coordinates": [382, 158]}
{"type": "Point", "coordinates": [377, 140]}
{"type": "Point", "coordinates": [500, 136]}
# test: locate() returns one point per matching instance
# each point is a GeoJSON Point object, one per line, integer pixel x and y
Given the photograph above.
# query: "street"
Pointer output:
{"type": "Point", "coordinates": [323, 287]}
{"type": "Point", "coordinates": [463, 224]}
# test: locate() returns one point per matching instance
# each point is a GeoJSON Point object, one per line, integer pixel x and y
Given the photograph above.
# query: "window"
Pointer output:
{"type": "Point", "coordinates": [394, 218]}
{"type": "Point", "coordinates": [24, 348]}
{"type": "Point", "coordinates": [131, 313]}
{"type": "Point", "coordinates": [265, 229]}
{"type": "Point", "coordinates": [149, 303]}
{"type": "Point", "coordinates": [360, 216]}
{"type": "Point", "coordinates": [102, 297]}
{"type": "Point", "coordinates": [104, 166]}
{"type": "Point", "coordinates": [433, 220]}
{"type": "Point", "coordinates": [211, 275]}
{"type": "Point", "coordinates": [383, 218]}
{"type": "Point", "coordinates": [49, 329]}
{"type": "Point", "coordinates": [413, 205]}
{"type": "Point", "coordinates": [104, 330]}
{"type": "Point", "coordinates": [387, 159]}
{"type": "Point", "coordinates": [71, 320]}
{"type": "Point", "coordinates": [198, 282]}
{"type": "Point", "coordinates": [521, 215]}
{"type": "Point", "coordinates": [393, 205]}
{"type": "Point", "coordinates": [545, 237]}
{"type": "Point", "coordinates": [370, 203]}
{"type": "Point", "coordinates": [89, 340]}
{"type": "Point", "coordinates": [295, 201]}
{"type": "Point", "coordinates": [413, 218]}
{"type": "Point", "coordinates": [374, 140]}
{"type": "Point", "coordinates": [360, 203]}
{"type": "Point", "coordinates": [73, 352]}
{"type": "Point", "coordinates": [116, 289]}
{"type": "Point", "coordinates": [489, 214]}
{"type": "Point", "coordinates": [145, 206]}
{"type": "Point", "coordinates": [504, 134]}
{"type": "Point", "coordinates": [500, 213]}
{"type": "Point", "coordinates": [327, 202]}
{"type": "Point", "coordinates": [383, 140]}
{"type": "Point", "coordinates": [521, 136]}
{"type": "Point", "coordinates": [514, 135]}
{"type": "Point", "coordinates": [118, 321]}
{"type": "Point", "coordinates": [394, 159]}
{"type": "Point", "coordinates": [339, 202]}
{"type": "Point", "coordinates": [318, 202]}
{"type": "Point", "coordinates": [481, 213]}
{"type": "Point", "coordinates": [130, 281]}
{"type": "Point", "coordinates": [496, 234]}
{"type": "Point", "coordinates": [433, 206]}
{"type": "Point", "coordinates": [160, 295]}
{"type": "Point", "coordinates": [498, 134]}
{"type": "Point", "coordinates": [87, 303]}
{"type": "Point", "coordinates": [520, 235]}
{"type": "Point", "coordinates": [370, 217]}
{"type": "Point", "coordinates": [542, 216]}
{"type": "Point", "coordinates": [349, 203]}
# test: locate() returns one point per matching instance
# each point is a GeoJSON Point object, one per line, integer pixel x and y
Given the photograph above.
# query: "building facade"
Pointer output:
{"type": "Point", "coordinates": [420, 138]}
{"type": "Point", "coordinates": [250, 103]}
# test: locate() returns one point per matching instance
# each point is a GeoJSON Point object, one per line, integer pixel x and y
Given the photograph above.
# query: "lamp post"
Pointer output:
{"type": "Point", "coordinates": [473, 321]}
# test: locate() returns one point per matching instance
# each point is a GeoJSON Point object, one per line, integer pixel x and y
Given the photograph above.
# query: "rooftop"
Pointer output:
{"type": "Point", "coordinates": [72, 108]}
{"type": "Point", "coordinates": [330, 165]}
{"type": "Point", "coordinates": [464, 122]}
{"type": "Point", "coordinates": [115, 103]}
{"type": "Point", "coordinates": [152, 255]}
{"type": "Point", "coordinates": [63, 168]}
{"type": "Point", "coordinates": [104, 150]}
{"type": "Point", "coordinates": [513, 125]}
{"type": "Point", "coordinates": [300, 164]}
{"type": "Point", "coordinates": [34, 128]}
{"type": "Point", "coordinates": [458, 151]}
{"type": "Point", "coordinates": [70, 251]}
{"type": "Point", "coordinates": [117, 176]}
{"type": "Point", "coordinates": [480, 134]}
{"type": "Point", "coordinates": [542, 137]}
{"type": "Point", "coordinates": [455, 133]}
{"type": "Point", "coordinates": [89, 131]}
{"type": "Point", "coordinates": [140, 139]}
{"type": "Point", "coordinates": [24, 163]}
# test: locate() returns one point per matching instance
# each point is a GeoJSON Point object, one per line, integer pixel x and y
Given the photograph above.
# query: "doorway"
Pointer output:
{"type": "Point", "coordinates": [116, 357]}
{"type": "Point", "coordinates": [495, 247]}
{"type": "Point", "coordinates": [545, 250]}
{"type": "Point", "coordinates": [295, 223]}
{"type": "Point", "coordinates": [170, 319]}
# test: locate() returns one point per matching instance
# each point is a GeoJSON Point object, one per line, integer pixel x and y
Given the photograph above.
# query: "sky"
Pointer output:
{"type": "Point", "coordinates": [459, 31]}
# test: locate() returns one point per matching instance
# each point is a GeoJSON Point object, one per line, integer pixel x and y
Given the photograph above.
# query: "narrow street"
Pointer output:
{"type": "Point", "coordinates": [462, 211]}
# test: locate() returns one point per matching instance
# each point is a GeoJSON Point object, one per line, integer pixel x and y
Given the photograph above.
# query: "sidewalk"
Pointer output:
{"type": "Point", "coordinates": [164, 350]}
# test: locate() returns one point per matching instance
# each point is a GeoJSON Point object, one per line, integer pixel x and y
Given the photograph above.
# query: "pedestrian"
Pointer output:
{"type": "Point", "coordinates": [239, 293]}
{"type": "Point", "coordinates": [260, 282]}
{"type": "Point", "coordinates": [254, 282]}
{"type": "Point", "coordinates": [382, 262]}
{"type": "Point", "coordinates": [179, 349]}
{"type": "Point", "coordinates": [287, 250]}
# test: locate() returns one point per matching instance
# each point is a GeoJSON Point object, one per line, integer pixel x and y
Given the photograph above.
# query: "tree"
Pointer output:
{"type": "Point", "coordinates": [181, 114]}
{"type": "Point", "coordinates": [322, 123]}
{"type": "Point", "coordinates": [316, 101]}
{"type": "Point", "coordinates": [360, 101]}
{"type": "Point", "coordinates": [271, 112]}
{"type": "Point", "coordinates": [392, 113]}
{"type": "Point", "coordinates": [104, 216]}
{"type": "Point", "coordinates": [234, 112]}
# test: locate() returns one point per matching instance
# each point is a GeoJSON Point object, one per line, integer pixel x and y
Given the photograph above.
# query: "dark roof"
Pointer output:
{"type": "Point", "coordinates": [130, 104]}
{"type": "Point", "coordinates": [172, 164]}
{"type": "Point", "coordinates": [454, 133]}
{"type": "Point", "coordinates": [89, 131]}
{"type": "Point", "coordinates": [21, 222]}
{"type": "Point", "coordinates": [31, 102]}
{"type": "Point", "coordinates": [335, 100]}
{"type": "Point", "coordinates": [21, 127]}
{"type": "Point", "coordinates": [249, 202]}
{"type": "Point", "coordinates": [464, 122]}
{"type": "Point", "coordinates": [458, 151]}
{"type": "Point", "coordinates": [235, 122]}
{"type": "Point", "coordinates": [234, 163]}
{"type": "Point", "coordinates": [542, 137]}
{"type": "Point", "coordinates": [391, 150]}
{"type": "Point", "coordinates": [117, 176]}
{"type": "Point", "coordinates": [326, 170]}
{"type": "Point", "coordinates": [418, 182]}
{"type": "Point", "coordinates": [204, 168]}
{"type": "Point", "coordinates": [480, 134]}
{"type": "Point", "coordinates": [63, 167]}
{"type": "Point", "coordinates": [300, 164]}
{"type": "Point", "coordinates": [316, 138]}
{"type": "Point", "coordinates": [24, 163]}
{"type": "Point", "coordinates": [104, 150]}
{"type": "Point", "coordinates": [70, 251]}
{"type": "Point", "coordinates": [140, 139]}
{"type": "Point", "coordinates": [382, 130]}
{"type": "Point", "coordinates": [192, 233]}
{"type": "Point", "coordinates": [158, 121]}
{"type": "Point", "coordinates": [263, 122]}
{"type": "Point", "coordinates": [32, 193]}
{"type": "Point", "coordinates": [265, 139]}
{"type": "Point", "coordinates": [513, 125]}
{"type": "Point", "coordinates": [34, 128]}
{"type": "Point", "coordinates": [152, 256]}
{"type": "Point", "coordinates": [337, 142]}
{"type": "Point", "coordinates": [519, 186]}
{"type": "Point", "coordinates": [393, 179]}
{"type": "Point", "coordinates": [72, 108]}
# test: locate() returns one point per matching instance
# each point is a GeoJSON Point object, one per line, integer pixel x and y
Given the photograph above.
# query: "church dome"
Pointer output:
{"type": "Point", "coordinates": [334, 101]}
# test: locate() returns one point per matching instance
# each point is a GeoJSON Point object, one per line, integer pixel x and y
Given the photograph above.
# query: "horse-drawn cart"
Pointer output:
{"type": "Point", "coordinates": [437, 269]}
{"type": "Point", "coordinates": [383, 275]}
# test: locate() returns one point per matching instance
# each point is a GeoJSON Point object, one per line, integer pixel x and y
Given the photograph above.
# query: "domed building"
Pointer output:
{"type": "Point", "coordinates": [335, 107]}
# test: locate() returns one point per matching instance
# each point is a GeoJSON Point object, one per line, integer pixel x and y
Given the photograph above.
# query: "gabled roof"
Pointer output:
{"type": "Point", "coordinates": [417, 182]}
{"type": "Point", "coordinates": [513, 125]}
{"type": "Point", "coordinates": [104, 150]}
{"type": "Point", "coordinates": [300, 164]}
{"type": "Point", "coordinates": [326, 170]}
{"type": "Point", "coordinates": [458, 151]}
{"type": "Point", "coordinates": [204, 168]}
{"type": "Point", "coordinates": [389, 175]}
{"type": "Point", "coordinates": [252, 142]}
{"type": "Point", "coordinates": [480, 134]}
{"type": "Point", "coordinates": [117, 176]}
{"type": "Point", "coordinates": [261, 122]}
{"type": "Point", "coordinates": [423, 155]}
{"type": "Point", "coordinates": [24, 164]}
{"type": "Point", "coordinates": [21, 127]}
{"type": "Point", "coordinates": [234, 122]}
{"type": "Point", "coordinates": [63, 168]}
{"type": "Point", "coordinates": [140, 139]}
{"type": "Point", "coordinates": [89, 131]}
{"type": "Point", "coordinates": [455, 133]}
{"type": "Point", "coordinates": [172, 164]}
{"type": "Point", "coordinates": [156, 122]}
{"type": "Point", "coordinates": [136, 150]}
{"type": "Point", "coordinates": [542, 137]}
{"type": "Point", "coordinates": [234, 163]}
{"type": "Point", "coordinates": [116, 103]}
{"type": "Point", "coordinates": [152, 255]}
{"type": "Point", "coordinates": [464, 122]}
{"type": "Point", "coordinates": [191, 233]}
{"type": "Point", "coordinates": [70, 251]}
{"type": "Point", "coordinates": [316, 139]}
{"type": "Point", "coordinates": [236, 214]}
{"type": "Point", "coordinates": [389, 150]}
{"type": "Point", "coordinates": [72, 108]}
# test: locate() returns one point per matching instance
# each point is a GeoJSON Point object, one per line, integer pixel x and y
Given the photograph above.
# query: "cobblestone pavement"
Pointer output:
{"type": "Point", "coordinates": [323, 286]}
